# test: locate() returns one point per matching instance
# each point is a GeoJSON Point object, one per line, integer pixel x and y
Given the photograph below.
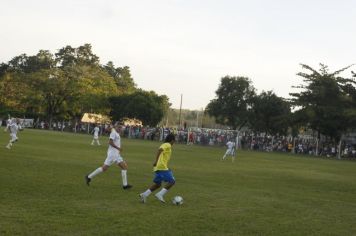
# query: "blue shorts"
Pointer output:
{"type": "Point", "coordinates": [165, 176]}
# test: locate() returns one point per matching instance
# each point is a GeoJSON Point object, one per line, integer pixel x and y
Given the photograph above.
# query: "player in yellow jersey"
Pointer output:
{"type": "Point", "coordinates": [161, 171]}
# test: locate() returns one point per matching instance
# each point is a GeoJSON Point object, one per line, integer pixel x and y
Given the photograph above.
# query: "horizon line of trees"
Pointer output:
{"type": "Point", "coordinates": [72, 81]}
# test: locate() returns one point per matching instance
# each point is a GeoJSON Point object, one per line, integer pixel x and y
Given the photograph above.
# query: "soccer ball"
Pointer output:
{"type": "Point", "coordinates": [177, 200]}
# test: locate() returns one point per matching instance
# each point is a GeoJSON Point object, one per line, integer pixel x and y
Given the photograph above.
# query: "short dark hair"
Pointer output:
{"type": "Point", "coordinates": [170, 138]}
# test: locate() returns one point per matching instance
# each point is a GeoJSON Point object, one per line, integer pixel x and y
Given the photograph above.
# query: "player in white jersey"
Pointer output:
{"type": "Point", "coordinates": [12, 127]}
{"type": "Point", "coordinates": [230, 150]}
{"type": "Point", "coordinates": [96, 135]}
{"type": "Point", "coordinates": [8, 122]}
{"type": "Point", "coordinates": [113, 156]}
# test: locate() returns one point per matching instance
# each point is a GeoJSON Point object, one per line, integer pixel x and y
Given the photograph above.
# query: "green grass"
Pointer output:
{"type": "Point", "coordinates": [42, 191]}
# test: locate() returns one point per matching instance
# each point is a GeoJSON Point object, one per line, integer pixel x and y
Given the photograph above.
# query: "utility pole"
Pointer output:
{"type": "Point", "coordinates": [197, 125]}
{"type": "Point", "coordinates": [180, 110]}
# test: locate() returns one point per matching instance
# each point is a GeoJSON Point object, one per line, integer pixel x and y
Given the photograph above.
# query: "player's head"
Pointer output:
{"type": "Point", "coordinates": [170, 138]}
{"type": "Point", "coordinates": [117, 126]}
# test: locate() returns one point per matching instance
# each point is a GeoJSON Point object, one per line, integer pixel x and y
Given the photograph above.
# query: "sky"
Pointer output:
{"type": "Point", "coordinates": [185, 47]}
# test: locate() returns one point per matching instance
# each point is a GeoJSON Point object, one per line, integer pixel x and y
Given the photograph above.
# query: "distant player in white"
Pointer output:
{"type": "Point", "coordinates": [8, 122]}
{"type": "Point", "coordinates": [230, 150]}
{"type": "Point", "coordinates": [113, 156]}
{"type": "Point", "coordinates": [12, 127]}
{"type": "Point", "coordinates": [96, 136]}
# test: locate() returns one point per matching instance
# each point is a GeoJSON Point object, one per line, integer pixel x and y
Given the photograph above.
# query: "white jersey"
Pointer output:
{"type": "Point", "coordinates": [230, 145]}
{"type": "Point", "coordinates": [96, 132]}
{"type": "Point", "coordinates": [13, 128]}
{"type": "Point", "coordinates": [115, 137]}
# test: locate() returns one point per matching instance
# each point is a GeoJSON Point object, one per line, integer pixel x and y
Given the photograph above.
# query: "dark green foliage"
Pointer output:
{"type": "Point", "coordinates": [145, 106]}
{"type": "Point", "coordinates": [233, 101]}
{"type": "Point", "coordinates": [64, 85]}
{"type": "Point", "coordinates": [122, 77]}
{"type": "Point", "coordinates": [270, 114]}
{"type": "Point", "coordinates": [327, 101]}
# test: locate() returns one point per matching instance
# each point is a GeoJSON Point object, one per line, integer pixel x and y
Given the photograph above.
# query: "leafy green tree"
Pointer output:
{"type": "Point", "coordinates": [122, 77]}
{"type": "Point", "coordinates": [94, 87]}
{"type": "Point", "coordinates": [233, 102]}
{"type": "Point", "coordinates": [69, 56]}
{"type": "Point", "coordinates": [53, 89]}
{"type": "Point", "coordinates": [62, 85]}
{"type": "Point", "coordinates": [327, 101]}
{"type": "Point", "coordinates": [145, 106]}
{"type": "Point", "coordinates": [11, 87]}
{"type": "Point", "coordinates": [270, 114]}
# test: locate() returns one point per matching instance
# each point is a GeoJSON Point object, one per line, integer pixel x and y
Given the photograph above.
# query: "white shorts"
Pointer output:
{"type": "Point", "coordinates": [13, 137]}
{"type": "Point", "coordinates": [96, 136]}
{"type": "Point", "coordinates": [229, 152]}
{"type": "Point", "coordinates": [113, 158]}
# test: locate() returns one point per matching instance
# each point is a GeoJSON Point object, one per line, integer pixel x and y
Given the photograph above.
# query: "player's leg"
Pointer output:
{"type": "Point", "coordinates": [232, 154]}
{"type": "Point", "coordinates": [97, 141]}
{"type": "Point", "coordinates": [169, 178]}
{"type": "Point", "coordinates": [107, 163]}
{"type": "Point", "coordinates": [227, 152]}
{"type": "Point", "coordinates": [123, 165]}
{"type": "Point", "coordinates": [8, 146]}
{"type": "Point", "coordinates": [92, 142]}
{"type": "Point", "coordinates": [12, 140]}
{"type": "Point", "coordinates": [156, 184]}
{"type": "Point", "coordinates": [145, 194]}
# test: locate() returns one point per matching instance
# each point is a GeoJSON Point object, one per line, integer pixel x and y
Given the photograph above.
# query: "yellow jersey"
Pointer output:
{"type": "Point", "coordinates": [163, 159]}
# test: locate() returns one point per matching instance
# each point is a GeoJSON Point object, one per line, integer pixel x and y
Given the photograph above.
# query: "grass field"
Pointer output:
{"type": "Point", "coordinates": [42, 191]}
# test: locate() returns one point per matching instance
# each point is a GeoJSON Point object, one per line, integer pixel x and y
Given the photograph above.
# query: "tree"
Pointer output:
{"type": "Point", "coordinates": [83, 55]}
{"type": "Point", "coordinates": [327, 101]}
{"type": "Point", "coordinates": [145, 106]}
{"type": "Point", "coordinates": [122, 77]}
{"type": "Point", "coordinates": [54, 89]}
{"type": "Point", "coordinates": [94, 88]}
{"type": "Point", "coordinates": [270, 114]}
{"type": "Point", "coordinates": [233, 101]}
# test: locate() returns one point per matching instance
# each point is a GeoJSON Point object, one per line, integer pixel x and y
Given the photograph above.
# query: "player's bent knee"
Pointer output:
{"type": "Point", "coordinates": [123, 165]}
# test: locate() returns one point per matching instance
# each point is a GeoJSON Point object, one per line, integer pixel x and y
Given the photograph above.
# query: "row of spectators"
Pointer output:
{"type": "Point", "coordinates": [216, 137]}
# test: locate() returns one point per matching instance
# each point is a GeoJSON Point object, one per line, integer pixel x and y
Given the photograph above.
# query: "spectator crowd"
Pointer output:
{"type": "Point", "coordinates": [217, 137]}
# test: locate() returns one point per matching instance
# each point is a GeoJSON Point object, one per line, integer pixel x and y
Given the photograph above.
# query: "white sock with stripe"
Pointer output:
{"type": "Point", "coordinates": [124, 177]}
{"type": "Point", "coordinates": [95, 172]}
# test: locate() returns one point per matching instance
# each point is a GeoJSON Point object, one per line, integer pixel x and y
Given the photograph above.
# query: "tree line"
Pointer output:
{"type": "Point", "coordinates": [325, 103]}
{"type": "Point", "coordinates": [70, 82]}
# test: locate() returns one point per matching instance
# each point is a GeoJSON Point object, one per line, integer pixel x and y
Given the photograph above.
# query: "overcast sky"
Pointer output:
{"type": "Point", "coordinates": [184, 47]}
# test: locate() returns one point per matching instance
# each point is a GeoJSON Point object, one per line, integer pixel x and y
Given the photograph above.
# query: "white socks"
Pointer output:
{"type": "Point", "coordinates": [124, 177]}
{"type": "Point", "coordinates": [100, 170]}
{"type": "Point", "coordinates": [162, 192]}
{"type": "Point", "coordinates": [95, 140]}
{"type": "Point", "coordinates": [147, 193]}
{"type": "Point", "coordinates": [95, 172]}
